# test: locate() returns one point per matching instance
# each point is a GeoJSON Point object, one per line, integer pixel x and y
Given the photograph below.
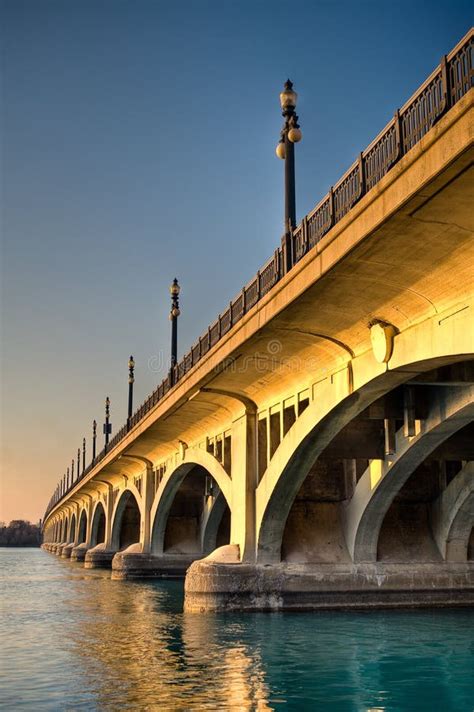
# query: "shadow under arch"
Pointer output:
{"type": "Point", "coordinates": [65, 532]}
{"type": "Point", "coordinates": [200, 464]}
{"type": "Point", "coordinates": [82, 532]}
{"type": "Point", "coordinates": [126, 521]}
{"type": "Point", "coordinates": [98, 525]}
{"type": "Point", "coordinates": [319, 424]}
{"type": "Point", "coordinates": [72, 530]}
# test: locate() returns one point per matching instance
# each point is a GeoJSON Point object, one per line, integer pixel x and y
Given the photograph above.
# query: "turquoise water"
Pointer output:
{"type": "Point", "coordinates": [75, 640]}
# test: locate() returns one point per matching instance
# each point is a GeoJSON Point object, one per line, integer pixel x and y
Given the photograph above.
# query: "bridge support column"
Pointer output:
{"type": "Point", "coordinates": [80, 550]}
{"type": "Point", "coordinates": [100, 556]}
{"type": "Point", "coordinates": [244, 484]}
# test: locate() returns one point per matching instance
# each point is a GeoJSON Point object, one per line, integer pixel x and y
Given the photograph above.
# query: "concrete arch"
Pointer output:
{"type": "Point", "coordinates": [211, 524]}
{"type": "Point", "coordinates": [453, 515]}
{"type": "Point", "coordinates": [128, 497]}
{"type": "Point", "coordinates": [451, 409]}
{"type": "Point", "coordinates": [72, 529]}
{"type": "Point", "coordinates": [170, 486]}
{"type": "Point", "coordinates": [322, 420]}
{"type": "Point", "coordinates": [97, 528]}
{"type": "Point", "coordinates": [82, 527]}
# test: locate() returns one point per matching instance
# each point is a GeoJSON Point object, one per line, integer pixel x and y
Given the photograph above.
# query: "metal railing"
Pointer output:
{"type": "Point", "coordinates": [449, 82]}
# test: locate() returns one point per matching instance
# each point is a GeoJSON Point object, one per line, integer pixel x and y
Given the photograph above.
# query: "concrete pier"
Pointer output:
{"type": "Point", "coordinates": [214, 586]}
{"type": "Point", "coordinates": [134, 565]}
{"type": "Point", "coordinates": [99, 557]}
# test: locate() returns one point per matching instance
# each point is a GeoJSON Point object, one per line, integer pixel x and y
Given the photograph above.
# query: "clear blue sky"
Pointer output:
{"type": "Point", "coordinates": [138, 145]}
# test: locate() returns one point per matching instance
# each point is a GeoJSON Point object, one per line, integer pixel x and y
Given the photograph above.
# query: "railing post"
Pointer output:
{"type": "Point", "coordinates": [445, 84]}
{"type": "Point", "coordinates": [362, 182]}
{"type": "Point", "coordinates": [398, 134]}
{"type": "Point", "coordinates": [332, 210]}
{"type": "Point", "coordinates": [286, 243]}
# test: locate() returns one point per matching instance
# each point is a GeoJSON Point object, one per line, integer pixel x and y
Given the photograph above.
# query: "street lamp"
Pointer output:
{"type": "Point", "coordinates": [174, 314]}
{"type": "Point", "coordinates": [131, 380]}
{"type": "Point", "coordinates": [94, 439]}
{"type": "Point", "coordinates": [83, 455]}
{"type": "Point", "coordinates": [290, 134]}
{"type": "Point", "coordinates": [107, 424]}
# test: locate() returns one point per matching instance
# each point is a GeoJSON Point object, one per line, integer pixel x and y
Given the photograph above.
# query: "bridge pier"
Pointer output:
{"type": "Point", "coordinates": [66, 551]}
{"type": "Point", "coordinates": [99, 557]}
{"type": "Point", "coordinates": [132, 564]}
{"type": "Point", "coordinates": [215, 586]}
{"type": "Point", "coordinates": [78, 553]}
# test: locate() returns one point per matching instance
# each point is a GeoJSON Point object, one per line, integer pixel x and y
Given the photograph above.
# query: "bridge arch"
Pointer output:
{"type": "Point", "coordinates": [201, 521]}
{"type": "Point", "coordinates": [72, 529]}
{"type": "Point", "coordinates": [126, 519]}
{"type": "Point", "coordinates": [98, 525]}
{"type": "Point", "coordinates": [323, 419]}
{"type": "Point", "coordinates": [82, 531]}
{"type": "Point", "coordinates": [371, 500]}
{"type": "Point", "coordinates": [65, 531]}
{"type": "Point", "coordinates": [453, 516]}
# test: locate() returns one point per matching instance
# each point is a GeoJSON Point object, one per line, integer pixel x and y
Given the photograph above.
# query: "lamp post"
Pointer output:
{"type": "Point", "coordinates": [94, 439]}
{"type": "Point", "coordinates": [107, 424]}
{"type": "Point", "coordinates": [131, 380]}
{"type": "Point", "coordinates": [78, 463]}
{"type": "Point", "coordinates": [290, 134]}
{"type": "Point", "coordinates": [174, 314]}
{"type": "Point", "coordinates": [72, 472]}
{"type": "Point", "coordinates": [83, 455]}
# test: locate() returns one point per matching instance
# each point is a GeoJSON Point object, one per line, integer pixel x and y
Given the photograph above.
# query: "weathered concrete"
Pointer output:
{"type": "Point", "coordinates": [212, 586]}
{"type": "Point", "coordinates": [132, 564]}
{"type": "Point", "coordinates": [99, 558]}
{"type": "Point", "coordinates": [79, 552]}
{"type": "Point", "coordinates": [67, 551]}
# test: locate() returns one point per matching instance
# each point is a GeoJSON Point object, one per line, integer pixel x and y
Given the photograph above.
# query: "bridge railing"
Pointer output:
{"type": "Point", "coordinates": [445, 86]}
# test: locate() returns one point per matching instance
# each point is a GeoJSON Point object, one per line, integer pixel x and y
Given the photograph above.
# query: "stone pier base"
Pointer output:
{"type": "Point", "coordinates": [79, 552]}
{"type": "Point", "coordinates": [99, 558]}
{"type": "Point", "coordinates": [133, 565]}
{"type": "Point", "coordinates": [213, 586]}
{"type": "Point", "coordinates": [59, 548]}
{"type": "Point", "coordinates": [66, 551]}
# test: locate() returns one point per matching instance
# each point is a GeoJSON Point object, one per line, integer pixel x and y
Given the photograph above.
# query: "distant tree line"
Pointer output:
{"type": "Point", "coordinates": [20, 533]}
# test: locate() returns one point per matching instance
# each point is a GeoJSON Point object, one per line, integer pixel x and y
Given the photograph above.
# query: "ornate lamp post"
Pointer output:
{"type": "Point", "coordinates": [174, 314]}
{"type": "Point", "coordinates": [94, 439]}
{"type": "Point", "coordinates": [107, 424]}
{"type": "Point", "coordinates": [72, 472]}
{"type": "Point", "coordinates": [131, 380]}
{"type": "Point", "coordinates": [83, 455]}
{"type": "Point", "coordinates": [290, 134]}
{"type": "Point", "coordinates": [78, 463]}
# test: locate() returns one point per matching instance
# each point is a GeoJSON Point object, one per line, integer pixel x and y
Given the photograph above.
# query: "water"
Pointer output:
{"type": "Point", "coordinates": [75, 640]}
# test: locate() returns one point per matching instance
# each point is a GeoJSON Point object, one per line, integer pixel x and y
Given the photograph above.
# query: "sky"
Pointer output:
{"type": "Point", "coordinates": [138, 144]}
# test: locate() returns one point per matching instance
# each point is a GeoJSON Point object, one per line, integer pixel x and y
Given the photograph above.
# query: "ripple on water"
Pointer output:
{"type": "Point", "coordinates": [74, 639]}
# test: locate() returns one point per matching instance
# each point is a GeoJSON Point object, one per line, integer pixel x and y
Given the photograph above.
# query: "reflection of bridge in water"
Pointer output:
{"type": "Point", "coordinates": [317, 441]}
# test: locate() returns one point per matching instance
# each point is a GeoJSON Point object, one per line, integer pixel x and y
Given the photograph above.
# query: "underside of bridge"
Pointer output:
{"type": "Point", "coordinates": [321, 453]}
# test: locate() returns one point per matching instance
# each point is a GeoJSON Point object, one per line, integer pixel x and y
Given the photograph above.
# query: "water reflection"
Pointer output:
{"type": "Point", "coordinates": [76, 640]}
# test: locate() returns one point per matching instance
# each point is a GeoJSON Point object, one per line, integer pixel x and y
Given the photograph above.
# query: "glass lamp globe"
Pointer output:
{"type": "Point", "coordinates": [295, 135]}
{"type": "Point", "coordinates": [288, 96]}
{"type": "Point", "coordinates": [175, 288]}
{"type": "Point", "coordinates": [280, 150]}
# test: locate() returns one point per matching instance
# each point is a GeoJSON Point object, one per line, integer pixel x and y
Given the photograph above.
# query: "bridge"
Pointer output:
{"type": "Point", "coordinates": [315, 447]}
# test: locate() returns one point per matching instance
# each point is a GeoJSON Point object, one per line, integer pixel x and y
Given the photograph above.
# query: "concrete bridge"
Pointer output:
{"type": "Point", "coordinates": [315, 448]}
